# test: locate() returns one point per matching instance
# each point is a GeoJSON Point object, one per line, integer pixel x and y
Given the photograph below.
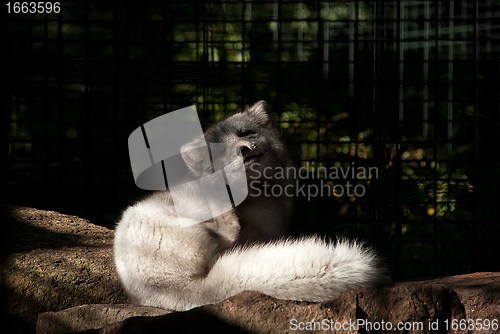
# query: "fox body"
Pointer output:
{"type": "Point", "coordinates": [164, 262]}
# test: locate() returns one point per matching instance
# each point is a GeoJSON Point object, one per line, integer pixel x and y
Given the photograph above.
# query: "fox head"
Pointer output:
{"type": "Point", "coordinates": [249, 135]}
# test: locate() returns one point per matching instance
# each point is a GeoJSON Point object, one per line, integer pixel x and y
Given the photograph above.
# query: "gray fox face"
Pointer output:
{"type": "Point", "coordinates": [250, 135]}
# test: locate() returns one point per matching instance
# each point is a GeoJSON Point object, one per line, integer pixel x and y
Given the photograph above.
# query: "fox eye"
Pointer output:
{"type": "Point", "coordinates": [245, 133]}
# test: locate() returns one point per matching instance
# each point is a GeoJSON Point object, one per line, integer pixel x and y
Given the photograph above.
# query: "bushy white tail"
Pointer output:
{"type": "Point", "coordinates": [305, 269]}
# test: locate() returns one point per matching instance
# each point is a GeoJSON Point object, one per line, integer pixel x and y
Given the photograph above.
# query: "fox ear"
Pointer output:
{"type": "Point", "coordinates": [261, 111]}
{"type": "Point", "coordinates": [195, 156]}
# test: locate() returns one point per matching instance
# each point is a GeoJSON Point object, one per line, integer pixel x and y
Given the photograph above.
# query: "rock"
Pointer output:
{"type": "Point", "coordinates": [478, 292]}
{"type": "Point", "coordinates": [95, 316]}
{"type": "Point", "coordinates": [52, 261]}
{"type": "Point", "coordinates": [61, 267]}
{"type": "Point", "coordinates": [423, 307]}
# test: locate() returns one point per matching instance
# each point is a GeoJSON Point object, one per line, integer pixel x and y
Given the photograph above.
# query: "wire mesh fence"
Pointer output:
{"type": "Point", "coordinates": [410, 88]}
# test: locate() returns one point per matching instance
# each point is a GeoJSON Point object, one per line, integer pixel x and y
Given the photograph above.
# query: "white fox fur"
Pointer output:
{"type": "Point", "coordinates": [163, 263]}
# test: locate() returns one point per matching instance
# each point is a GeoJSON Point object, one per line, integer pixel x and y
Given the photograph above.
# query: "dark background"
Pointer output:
{"type": "Point", "coordinates": [411, 87]}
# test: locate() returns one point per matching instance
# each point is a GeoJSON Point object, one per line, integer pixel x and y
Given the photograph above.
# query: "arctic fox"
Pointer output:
{"type": "Point", "coordinates": [163, 263]}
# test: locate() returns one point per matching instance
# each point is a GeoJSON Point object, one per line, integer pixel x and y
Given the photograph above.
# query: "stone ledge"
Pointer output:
{"type": "Point", "coordinates": [60, 266]}
{"type": "Point", "coordinates": [422, 302]}
{"type": "Point", "coordinates": [52, 261]}
{"type": "Point", "coordinates": [94, 316]}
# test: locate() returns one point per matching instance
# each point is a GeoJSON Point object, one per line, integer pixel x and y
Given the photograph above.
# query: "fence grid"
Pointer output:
{"type": "Point", "coordinates": [409, 87]}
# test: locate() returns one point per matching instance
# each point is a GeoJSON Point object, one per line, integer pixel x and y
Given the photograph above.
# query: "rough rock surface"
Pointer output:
{"type": "Point", "coordinates": [423, 307]}
{"type": "Point", "coordinates": [59, 268]}
{"type": "Point", "coordinates": [478, 292]}
{"type": "Point", "coordinates": [94, 316]}
{"type": "Point", "coordinates": [52, 261]}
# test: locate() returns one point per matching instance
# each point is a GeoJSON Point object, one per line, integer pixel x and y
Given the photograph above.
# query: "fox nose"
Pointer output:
{"type": "Point", "coordinates": [245, 150]}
